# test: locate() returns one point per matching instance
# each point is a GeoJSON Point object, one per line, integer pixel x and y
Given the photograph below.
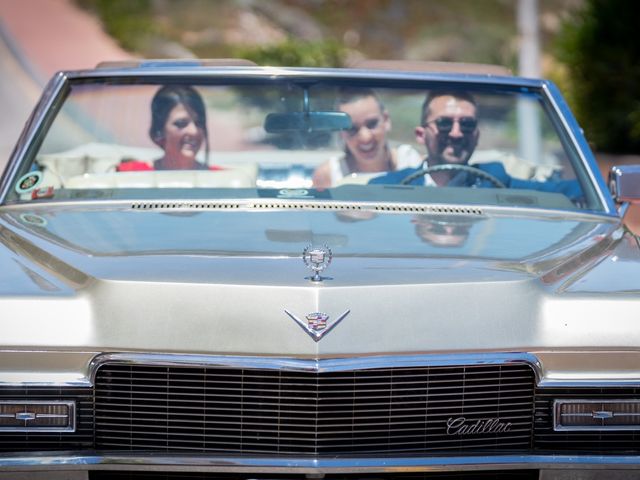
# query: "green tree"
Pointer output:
{"type": "Point", "coordinates": [130, 22]}
{"type": "Point", "coordinates": [295, 53]}
{"type": "Point", "coordinates": [601, 49]}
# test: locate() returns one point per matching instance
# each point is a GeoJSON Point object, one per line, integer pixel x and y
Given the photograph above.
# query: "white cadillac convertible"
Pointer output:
{"type": "Point", "coordinates": [223, 271]}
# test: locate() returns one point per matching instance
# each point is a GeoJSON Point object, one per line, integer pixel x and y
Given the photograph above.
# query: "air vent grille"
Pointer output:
{"type": "Point", "coordinates": [293, 205]}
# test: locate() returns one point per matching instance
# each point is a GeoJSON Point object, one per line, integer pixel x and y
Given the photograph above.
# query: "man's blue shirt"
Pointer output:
{"type": "Point", "coordinates": [570, 188]}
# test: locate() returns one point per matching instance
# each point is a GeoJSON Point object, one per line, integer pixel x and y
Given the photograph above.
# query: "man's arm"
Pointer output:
{"type": "Point", "coordinates": [322, 176]}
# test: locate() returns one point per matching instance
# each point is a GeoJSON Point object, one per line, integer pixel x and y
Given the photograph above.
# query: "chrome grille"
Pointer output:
{"type": "Point", "coordinates": [394, 410]}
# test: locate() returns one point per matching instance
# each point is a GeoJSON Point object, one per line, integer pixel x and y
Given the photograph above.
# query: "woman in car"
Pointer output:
{"type": "Point", "coordinates": [179, 127]}
{"type": "Point", "coordinates": [367, 152]}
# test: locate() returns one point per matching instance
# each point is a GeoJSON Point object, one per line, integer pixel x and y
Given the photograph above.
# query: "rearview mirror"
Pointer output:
{"type": "Point", "coordinates": [307, 122]}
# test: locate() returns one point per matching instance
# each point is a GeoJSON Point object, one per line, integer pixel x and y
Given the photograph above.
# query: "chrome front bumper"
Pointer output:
{"type": "Point", "coordinates": [563, 467]}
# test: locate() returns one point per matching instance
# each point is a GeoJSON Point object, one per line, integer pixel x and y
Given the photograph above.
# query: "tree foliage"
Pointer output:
{"type": "Point", "coordinates": [601, 49]}
{"type": "Point", "coordinates": [294, 53]}
{"type": "Point", "coordinates": [129, 22]}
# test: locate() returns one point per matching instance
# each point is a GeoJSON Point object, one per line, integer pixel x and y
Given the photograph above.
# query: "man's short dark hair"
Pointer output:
{"type": "Point", "coordinates": [433, 94]}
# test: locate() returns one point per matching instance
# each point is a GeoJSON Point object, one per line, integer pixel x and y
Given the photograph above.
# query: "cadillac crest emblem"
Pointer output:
{"type": "Point", "coordinates": [317, 321]}
{"type": "Point", "coordinates": [317, 324]}
{"type": "Point", "coordinates": [317, 258]}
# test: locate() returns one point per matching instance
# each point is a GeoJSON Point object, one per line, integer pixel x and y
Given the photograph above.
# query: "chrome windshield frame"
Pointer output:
{"type": "Point", "coordinates": [56, 91]}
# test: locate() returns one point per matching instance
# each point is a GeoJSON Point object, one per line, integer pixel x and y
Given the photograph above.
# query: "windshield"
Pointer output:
{"type": "Point", "coordinates": [303, 139]}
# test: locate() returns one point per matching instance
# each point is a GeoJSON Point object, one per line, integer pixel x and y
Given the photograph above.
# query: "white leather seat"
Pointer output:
{"type": "Point", "coordinates": [228, 178]}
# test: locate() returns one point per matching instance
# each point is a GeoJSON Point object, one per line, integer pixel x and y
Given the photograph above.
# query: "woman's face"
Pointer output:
{"type": "Point", "coordinates": [366, 140]}
{"type": "Point", "coordinates": [182, 137]}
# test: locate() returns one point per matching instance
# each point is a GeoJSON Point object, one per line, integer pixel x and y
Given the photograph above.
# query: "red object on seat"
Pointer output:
{"type": "Point", "coordinates": [139, 166]}
{"type": "Point", "coordinates": [134, 166]}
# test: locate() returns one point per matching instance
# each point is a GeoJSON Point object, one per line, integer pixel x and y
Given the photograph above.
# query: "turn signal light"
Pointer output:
{"type": "Point", "coordinates": [37, 416]}
{"type": "Point", "coordinates": [596, 415]}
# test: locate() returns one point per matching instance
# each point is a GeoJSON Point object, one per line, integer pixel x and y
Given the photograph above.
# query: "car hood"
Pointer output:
{"type": "Point", "coordinates": [220, 281]}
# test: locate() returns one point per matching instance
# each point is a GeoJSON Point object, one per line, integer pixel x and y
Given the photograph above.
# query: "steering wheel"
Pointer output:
{"type": "Point", "coordinates": [446, 167]}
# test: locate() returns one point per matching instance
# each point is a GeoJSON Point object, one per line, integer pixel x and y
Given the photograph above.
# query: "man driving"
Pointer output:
{"type": "Point", "coordinates": [449, 131]}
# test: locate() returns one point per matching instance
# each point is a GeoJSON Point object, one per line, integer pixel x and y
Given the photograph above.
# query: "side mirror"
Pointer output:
{"type": "Point", "coordinates": [624, 183]}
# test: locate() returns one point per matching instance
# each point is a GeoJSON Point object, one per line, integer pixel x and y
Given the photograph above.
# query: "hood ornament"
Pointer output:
{"type": "Point", "coordinates": [317, 258]}
{"type": "Point", "coordinates": [317, 324]}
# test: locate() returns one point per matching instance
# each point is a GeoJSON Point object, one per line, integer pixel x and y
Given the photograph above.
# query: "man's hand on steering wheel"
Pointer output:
{"type": "Point", "coordinates": [447, 167]}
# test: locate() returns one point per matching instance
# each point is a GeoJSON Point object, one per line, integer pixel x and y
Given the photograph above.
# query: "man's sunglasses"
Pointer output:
{"type": "Point", "coordinates": [445, 124]}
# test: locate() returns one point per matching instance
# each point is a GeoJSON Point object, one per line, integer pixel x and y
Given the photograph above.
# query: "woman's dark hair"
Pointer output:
{"type": "Point", "coordinates": [353, 94]}
{"type": "Point", "coordinates": [169, 96]}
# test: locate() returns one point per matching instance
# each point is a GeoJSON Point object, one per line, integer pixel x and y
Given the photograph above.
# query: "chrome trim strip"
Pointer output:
{"type": "Point", "coordinates": [543, 380]}
{"type": "Point", "coordinates": [321, 205]}
{"type": "Point", "coordinates": [302, 73]}
{"type": "Point", "coordinates": [317, 465]}
{"type": "Point", "coordinates": [589, 383]}
{"type": "Point", "coordinates": [314, 365]}
{"type": "Point", "coordinates": [54, 382]}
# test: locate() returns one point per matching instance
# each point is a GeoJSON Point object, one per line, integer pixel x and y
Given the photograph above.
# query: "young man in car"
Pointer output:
{"type": "Point", "coordinates": [449, 131]}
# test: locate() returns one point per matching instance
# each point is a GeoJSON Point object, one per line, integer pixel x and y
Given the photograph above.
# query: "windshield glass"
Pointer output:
{"type": "Point", "coordinates": [298, 139]}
